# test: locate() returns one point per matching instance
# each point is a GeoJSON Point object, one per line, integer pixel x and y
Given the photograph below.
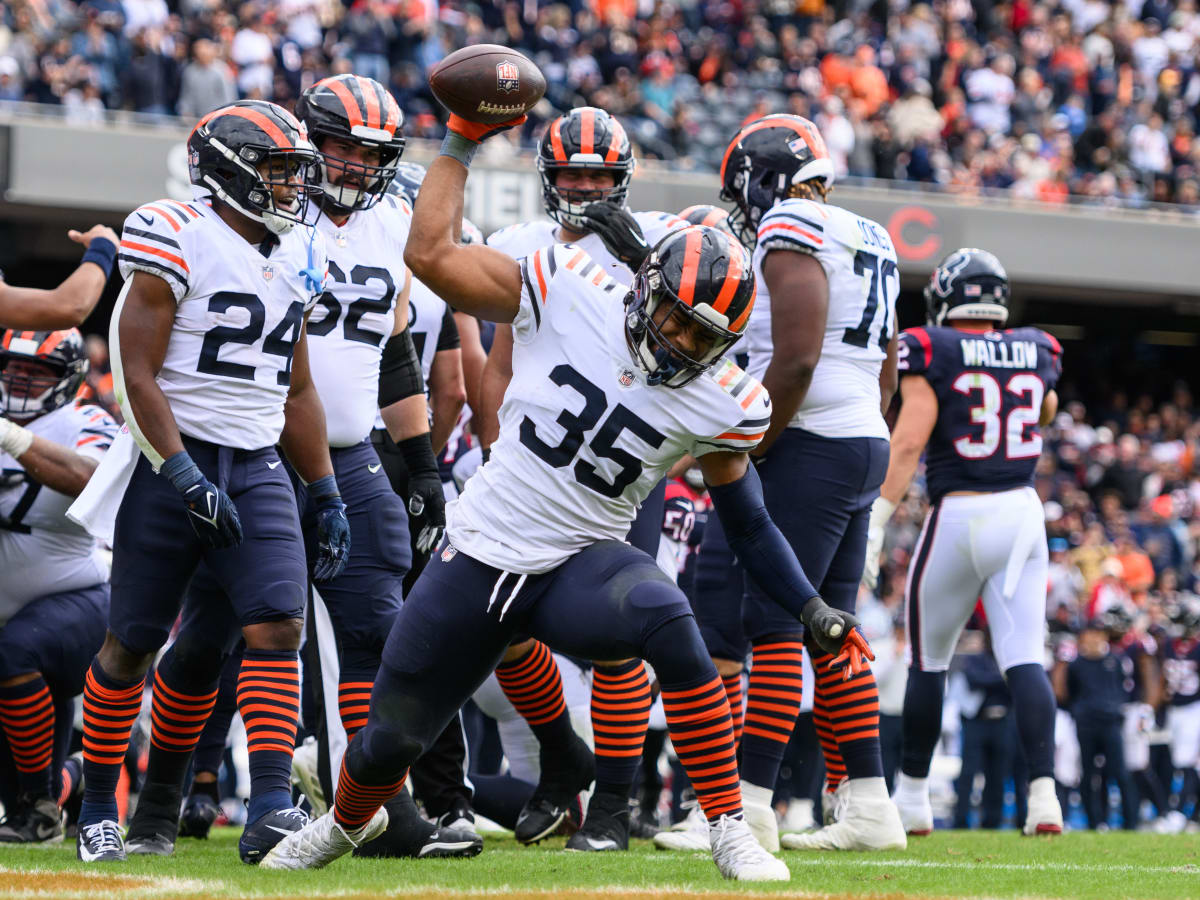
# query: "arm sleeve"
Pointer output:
{"type": "Point", "coordinates": [399, 370]}
{"type": "Point", "coordinates": [448, 335]}
{"type": "Point", "coordinates": [759, 545]}
{"type": "Point", "coordinates": [154, 241]}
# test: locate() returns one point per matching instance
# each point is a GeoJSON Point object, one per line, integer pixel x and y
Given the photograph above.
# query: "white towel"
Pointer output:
{"type": "Point", "coordinates": [95, 509]}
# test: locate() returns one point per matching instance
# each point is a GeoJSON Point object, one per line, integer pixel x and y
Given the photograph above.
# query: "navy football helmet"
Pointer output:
{"type": "Point", "coordinates": [704, 276]}
{"type": "Point", "coordinates": [968, 284]}
{"type": "Point", "coordinates": [584, 138]}
{"type": "Point", "coordinates": [61, 363]}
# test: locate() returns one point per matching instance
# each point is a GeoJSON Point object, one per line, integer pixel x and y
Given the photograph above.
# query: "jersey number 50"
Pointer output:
{"type": "Point", "coordinates": [988, 410]}
{"type": "Point", "coordinates": [604, 442]}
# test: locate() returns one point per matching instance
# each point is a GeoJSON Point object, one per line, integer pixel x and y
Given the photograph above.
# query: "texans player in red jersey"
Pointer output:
{"type": "Point", "coordinates": [974, 395]}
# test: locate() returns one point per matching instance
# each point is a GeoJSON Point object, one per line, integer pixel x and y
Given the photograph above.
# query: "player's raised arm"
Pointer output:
{"type": "Point", "coordinates": [37, 309]}
{"type": "Point", "coordinates": [474, 279]}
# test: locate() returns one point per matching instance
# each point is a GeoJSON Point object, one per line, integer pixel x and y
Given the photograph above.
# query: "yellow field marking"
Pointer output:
{"type": "Point", "coordinates": [36, 884]}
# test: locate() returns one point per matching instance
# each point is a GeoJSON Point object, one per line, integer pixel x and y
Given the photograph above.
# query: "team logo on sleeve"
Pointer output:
{"type": "Point", "coordinates": [508, 77]}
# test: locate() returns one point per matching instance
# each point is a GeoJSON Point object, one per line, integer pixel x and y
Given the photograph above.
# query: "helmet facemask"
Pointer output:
{"type": "Point", "coordinates": [375, 180]}
{"type": "Point", "coordinates": [291, 168]}
{"type": "Point", "coordinates": [45, 386]}
{"type": "Point", "coordinates": [566, 205]}
{"type": "Point", "coordinates": [648, 307]}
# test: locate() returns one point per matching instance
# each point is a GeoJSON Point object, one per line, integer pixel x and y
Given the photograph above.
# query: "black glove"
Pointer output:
{"type": "Point", "coordinates": [837, 633]}
{"type": "Point", "coordinates": [333, 530]}
{"type": "Point", "coordinates": [426, 502]}
{"type": "Point", "coordinates": [620, 232]}
{"type": "Point", "coordinates": [211, 513]}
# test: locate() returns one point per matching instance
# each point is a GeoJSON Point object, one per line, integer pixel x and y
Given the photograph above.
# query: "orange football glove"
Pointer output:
{"type": "Point", "coordinates": [855, 653]}
{"type": "Point", "coordinates": [478, 131]}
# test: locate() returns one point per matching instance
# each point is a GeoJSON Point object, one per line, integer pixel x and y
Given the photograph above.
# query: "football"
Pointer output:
{"type": "Point", "coordinates": [487, 83]}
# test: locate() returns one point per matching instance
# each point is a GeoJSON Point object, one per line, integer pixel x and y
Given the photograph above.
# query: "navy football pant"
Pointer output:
{"type": "Point", "coordinates": [610, 601]}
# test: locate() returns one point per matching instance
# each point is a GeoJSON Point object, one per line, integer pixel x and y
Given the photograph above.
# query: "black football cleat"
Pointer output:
{"type": "Point", "coordinates": [155, 823]}
{"type": "Point", "coordinates": [409, 836]}
{"type": "Point", "coordinates": [605, 827]}
{"type": "Point", "coordinates": [565, 774]}
{"type": "Point", "coordinates": [258, 838]}
{"type": "Point", "coordinates": [101, 842]}
{"type": "Point", "coordinates": [32, 821]}
{"type": "Point", "coordinates": [199, 814]}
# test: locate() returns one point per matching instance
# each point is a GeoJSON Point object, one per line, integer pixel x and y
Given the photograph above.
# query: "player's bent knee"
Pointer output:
{"type": "Point", "coordinates": [676, 651]}
{"type": "Point", "coordinates": [280, 634]}
{"type": "Point", "coordinates": [728, 667]}
{"type": "Point", "coordinates": [120, 662]}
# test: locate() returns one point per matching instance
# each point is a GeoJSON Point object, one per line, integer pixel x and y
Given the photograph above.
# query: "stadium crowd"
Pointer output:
{"type": "Point", "coordinates": [1074, 101]}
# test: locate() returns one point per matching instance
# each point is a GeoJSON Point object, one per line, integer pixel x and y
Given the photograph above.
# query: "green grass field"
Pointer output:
{"type": "Point", "coordinates": [947, 864]}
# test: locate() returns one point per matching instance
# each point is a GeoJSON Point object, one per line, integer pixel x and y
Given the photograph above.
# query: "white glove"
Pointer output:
{"type": "Point", "coordinates": [14, 440]}
{"type": "Point", "coordinates": [881, 511]}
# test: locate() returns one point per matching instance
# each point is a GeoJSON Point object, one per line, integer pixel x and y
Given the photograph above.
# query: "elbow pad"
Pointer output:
{"type": "Point", "coordinates": [399, 370]}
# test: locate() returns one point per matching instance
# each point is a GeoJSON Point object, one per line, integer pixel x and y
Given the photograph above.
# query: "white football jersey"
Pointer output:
{"type": "Point", "coordinates": [42, 551]}
{"type": "Point", "coordinates": [864, 282]}
{"type": "Point", "coordinates": [583, 438]}
{"type": "Point", "coordinates": [229, 359]}
{"type": "Point", "coordinates": [522, 239]}
{"type": "Point", "coordinates": [355, 316]}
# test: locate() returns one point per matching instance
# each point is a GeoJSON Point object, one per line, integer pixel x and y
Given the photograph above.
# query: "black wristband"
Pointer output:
{"type": "Point", "coordinates": [486, 453]}
{"type": "Point", "coordinates": [102, 252]}
{"type": "Point", "coordinates": [418, 455]}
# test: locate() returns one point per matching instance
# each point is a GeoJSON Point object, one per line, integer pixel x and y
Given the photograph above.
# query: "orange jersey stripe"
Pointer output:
{"type": "Point", "coordinates": [155, 251]}
{"type": "Point", "coordinates": [750, 397]}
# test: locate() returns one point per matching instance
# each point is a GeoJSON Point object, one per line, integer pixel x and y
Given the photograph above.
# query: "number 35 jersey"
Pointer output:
{"type": "Point", "coordinates": [860, 265]}
{"type": "Point", "coordinates": [583, 438]}
{"type": "Point", "coordinates": [989, 386]}
{"type": "Point", "coordinates": [238, 316]}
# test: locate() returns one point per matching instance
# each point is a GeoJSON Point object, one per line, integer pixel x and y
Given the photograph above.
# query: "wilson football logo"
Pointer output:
{"type": "Point", "coordinates": [508, 77]}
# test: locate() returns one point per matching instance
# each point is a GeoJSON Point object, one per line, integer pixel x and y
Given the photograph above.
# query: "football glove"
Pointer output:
{"type": "Point", "coordinates": [620, 232]}
{"type": "Point", "coordinates": [211, 513]}
{"type": "Point", "coordinates": [333, 530]}
{"type": "Point", "coordinates": [881, 511]}
{"type": "Point", "coordinates": [426, 502]}
{"type": "Point", "coordinates": [478, 131]}
{"type": "Point", "coordinates": [838, 634]}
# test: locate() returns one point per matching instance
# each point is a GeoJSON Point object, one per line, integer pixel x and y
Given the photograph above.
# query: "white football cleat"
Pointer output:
{"type": "Point", "coordinates": [305, 776]}
{"type": "Point", "coordinates": [833, 803]}
{"type": "Point", "coordinates": [690, 834]}
{"type": "Point", "coordinates": [799, 816]}
{"type": "Point", "coordinates": [760, 816]}
{"type": "Point", "coordinates": [870, 822]}
{"type": "Point", "coordinates": [320, 842]}
{"type": "Point", "coordinates": [912, 800]}
{"type": "Point", "coordinates": [1045, 815]}
{"type": "Point", "coordinates": [740, 857]}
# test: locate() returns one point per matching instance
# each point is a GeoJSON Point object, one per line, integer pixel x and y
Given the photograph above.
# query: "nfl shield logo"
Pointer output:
{"type": "Point", "coordinates": [508, 77]}
{"type": "Point", "coordinates": [268, 272]}
{"type": "Point", "coordinates": [449, 553]}
{"type": "Point", "coordinates": [626, 378]}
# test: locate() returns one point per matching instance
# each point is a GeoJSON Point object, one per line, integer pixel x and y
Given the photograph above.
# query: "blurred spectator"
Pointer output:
{"type": "Point", "coordinates": [206, 82]}
{"type": "Point", "coordinates": [987, 737]}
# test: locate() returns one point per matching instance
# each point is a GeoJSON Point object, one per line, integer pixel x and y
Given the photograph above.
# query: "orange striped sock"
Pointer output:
{"type": "Point", "coordinates": [620, 717]}
{"type": "Point", "coordinates": [846, 713]}
{"type": "Point", "coordinates": [27, 715]}
{"type": "Point", "coordinates": [772, 705]}
{"type": "Point", "coordinates": [110, 708]}
{"type": "Point", "coordinates": [177, 718]}
{"type": "Point", "coordinates": [268, 697]}
{"type": "Point", "coordinates": [737, 705]}
{"type": "Point", "coordinates": [702, 734]}
{"type": "Point", "coordinates": [533, 684]}
{"type": "Point", "coordinates": [354, 803]}
{"type": "Point", "coordinates": [354, 700]}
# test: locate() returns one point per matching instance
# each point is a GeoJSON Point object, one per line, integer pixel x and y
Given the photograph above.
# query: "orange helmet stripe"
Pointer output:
{"type": "Point", "coordinates": [353, 110]}
{"type": "Point", "coordinates": [587, 131]}
{"type": "Point", "coordinates": [614, 146]}
{"type": "Point", "coordinates": [370, 99]}
{"type": "Point", "coordinates": [733, 276]}
{"type": "Point", "coordinates": [560, 154]}
{"type": "Point", "coordinates": [393, 113]}
{"type": "Point", "coordinates": [273, 131]}
{"type": "Point", "coordinates": [52, 340]}
{"type": "Point", "coordinates": [691, 265]}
